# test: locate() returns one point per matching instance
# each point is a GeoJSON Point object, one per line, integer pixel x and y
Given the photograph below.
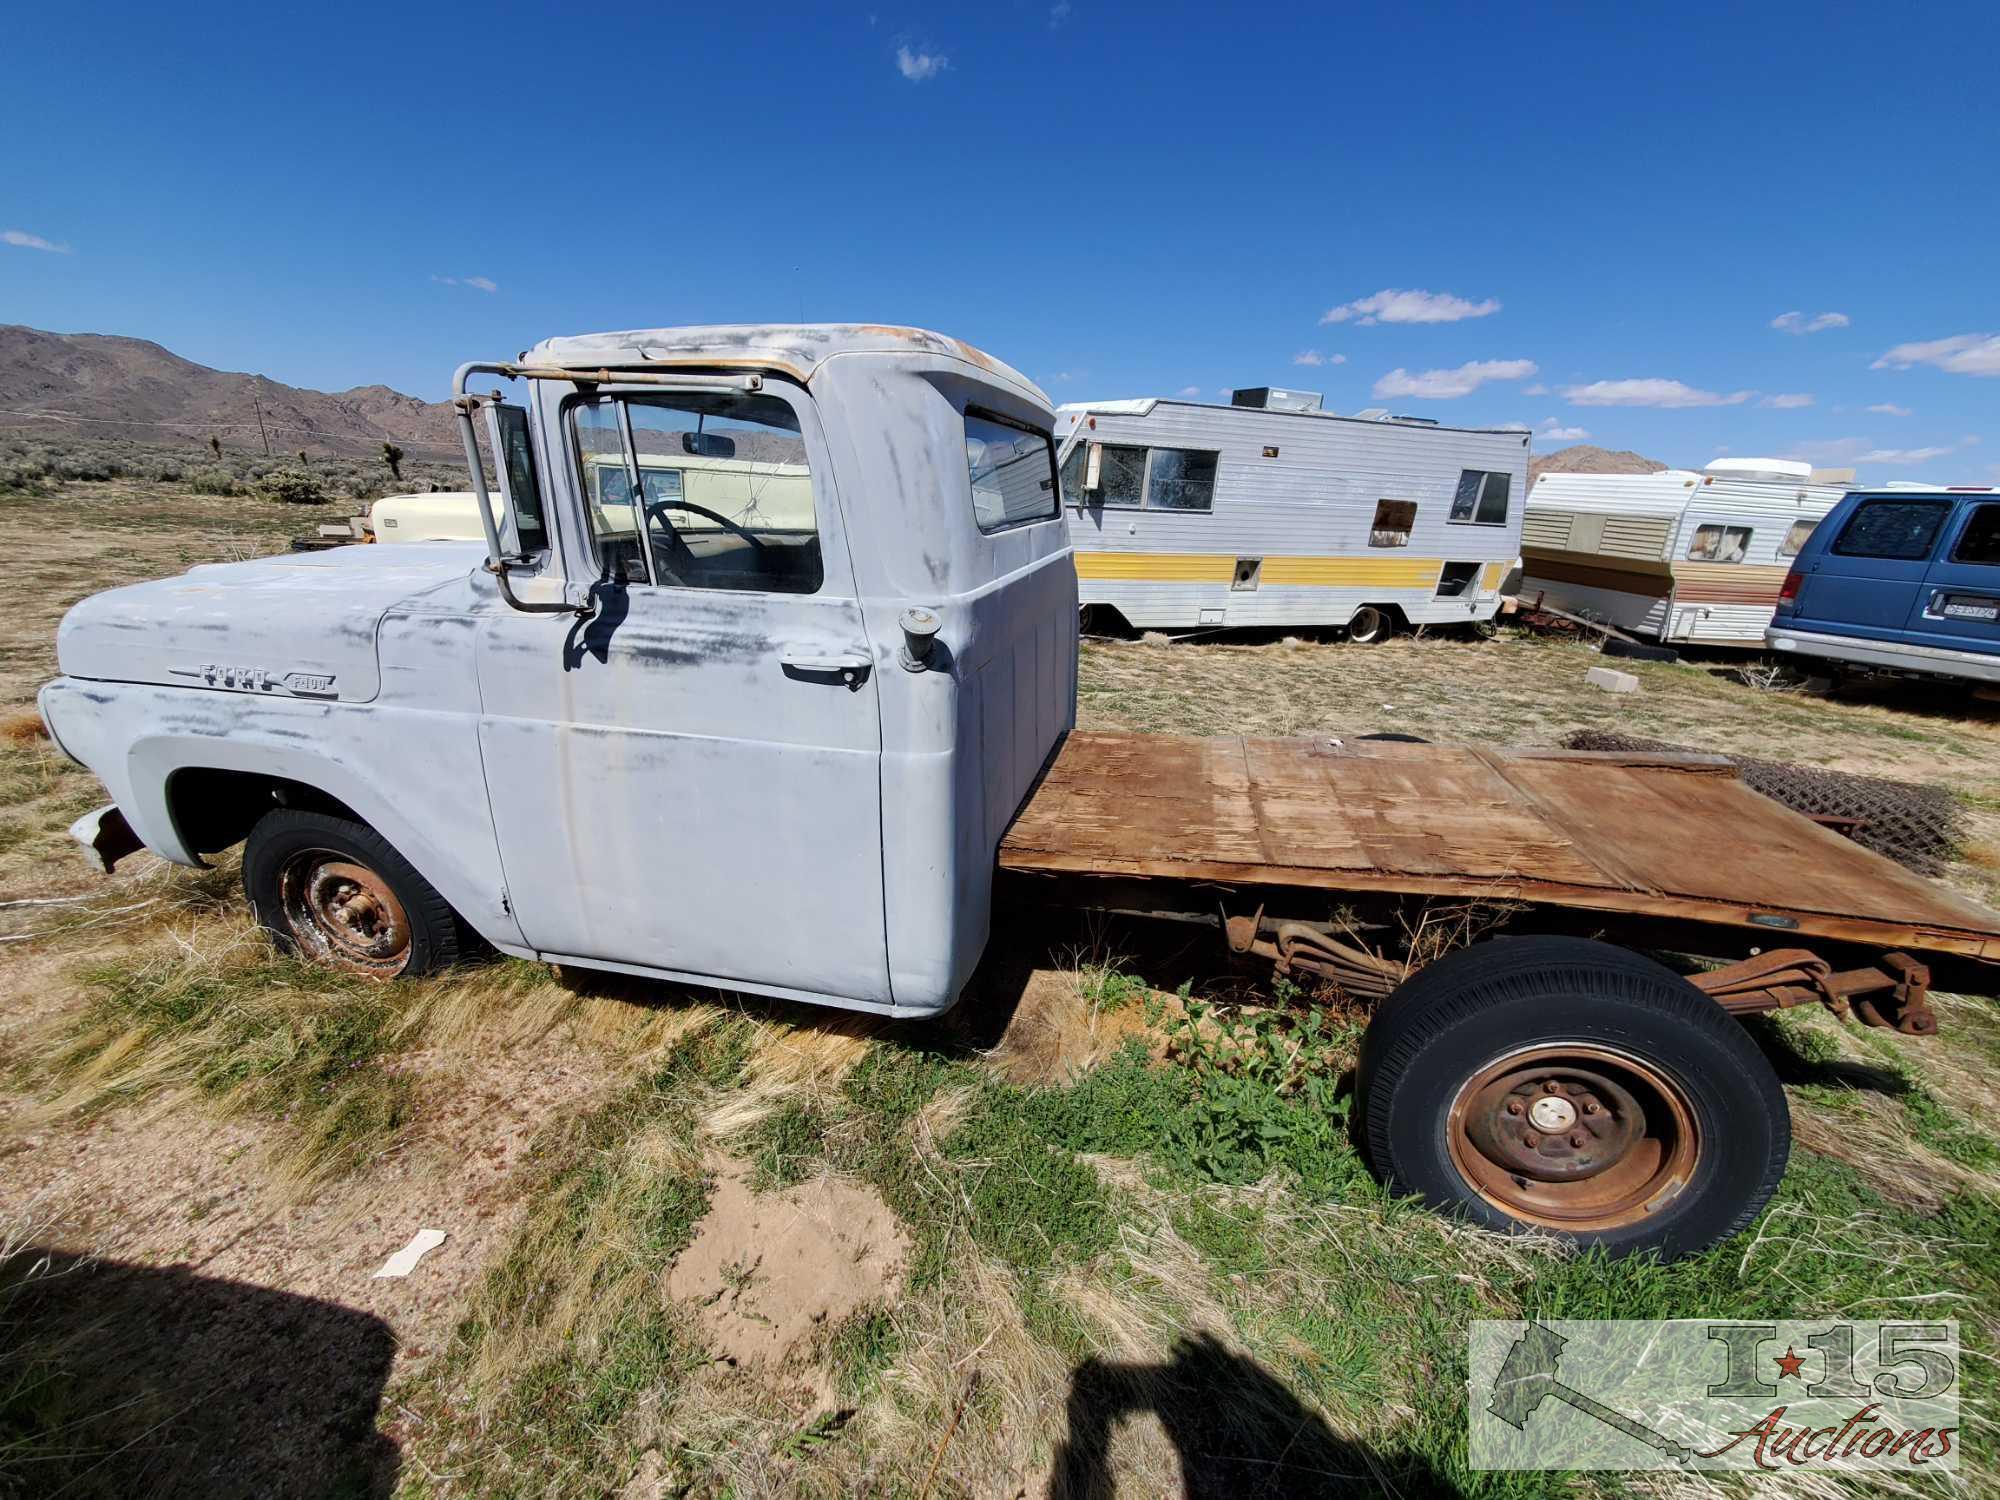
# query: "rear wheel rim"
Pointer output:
{"type": "Point", "coordinates": [344, 914]}
{"type": "Point", "coordinates": [1366, 626]}
{"type": "Point", "coordinates": [1574, 1136]}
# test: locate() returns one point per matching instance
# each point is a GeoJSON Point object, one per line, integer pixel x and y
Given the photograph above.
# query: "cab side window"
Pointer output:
{"type": "Point", "coordinates": [724, 492]}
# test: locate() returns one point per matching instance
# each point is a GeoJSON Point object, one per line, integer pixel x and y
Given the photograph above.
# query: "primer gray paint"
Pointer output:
{"type": "Point", "coordinates": [658, 793]}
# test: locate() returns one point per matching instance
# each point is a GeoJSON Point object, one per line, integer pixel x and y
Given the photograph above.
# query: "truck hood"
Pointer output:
{"type": "Point", "coordinates": [301, 625]}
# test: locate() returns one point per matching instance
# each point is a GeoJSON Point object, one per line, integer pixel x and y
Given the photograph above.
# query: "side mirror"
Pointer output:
{"type": "Point", "coordinates": [518, 513]}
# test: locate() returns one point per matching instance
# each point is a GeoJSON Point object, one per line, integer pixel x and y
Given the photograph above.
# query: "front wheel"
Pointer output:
{"type": "Point", "coordinates": [334, 891]}
{"type": "Point", "coordinates": [1569, 1086]}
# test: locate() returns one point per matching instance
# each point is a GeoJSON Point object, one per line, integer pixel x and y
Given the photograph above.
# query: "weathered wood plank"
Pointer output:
{"type": "Point", "coordinates": [1647, 834]}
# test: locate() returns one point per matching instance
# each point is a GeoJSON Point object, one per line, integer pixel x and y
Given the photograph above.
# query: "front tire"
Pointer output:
{"type": "Point", "coordinates": [1568, 1086]}
{"type": "Point", "coordinates": [334, 891]}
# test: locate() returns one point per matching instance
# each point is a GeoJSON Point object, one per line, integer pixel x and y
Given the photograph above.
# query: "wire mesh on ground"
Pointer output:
{"type": "Point", "coordinates": [1917, 826]}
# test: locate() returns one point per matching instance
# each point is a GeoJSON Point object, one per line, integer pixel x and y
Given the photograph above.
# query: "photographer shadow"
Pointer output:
{"type": "Point", "coordinates": [1237, 1429]}
{"type": "Point", "coordinates": [124, 1380]}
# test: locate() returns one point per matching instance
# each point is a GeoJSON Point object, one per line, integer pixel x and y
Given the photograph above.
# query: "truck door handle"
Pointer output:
{"type": "Point", "coordinates": [848, 668]}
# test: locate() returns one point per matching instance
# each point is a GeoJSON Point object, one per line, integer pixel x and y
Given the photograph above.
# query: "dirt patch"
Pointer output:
{"type": "Point", "coordinates": [769, 1273]}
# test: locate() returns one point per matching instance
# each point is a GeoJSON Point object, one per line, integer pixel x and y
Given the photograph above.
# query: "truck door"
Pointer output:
{"type": "Point", "coordinates": [1958, 606]}
{"type": "Point", "coordinates": [1869, 579]}
{"type": "Point", "coordinates": [690, 779]}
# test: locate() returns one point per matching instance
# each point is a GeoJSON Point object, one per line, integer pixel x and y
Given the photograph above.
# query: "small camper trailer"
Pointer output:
{"type": "Point", "coordinates": [1272, 512]}
{"type": "Point", "coordinates": [1680, 556]}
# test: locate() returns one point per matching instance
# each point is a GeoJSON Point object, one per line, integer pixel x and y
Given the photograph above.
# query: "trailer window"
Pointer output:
{"type": "Point", "coordinates": [1796, 538]}
{"type": "Point", "coordinates": [1898, 530]}
{"type": "Point", "coordinates": [1121, 477]}
{"type": "Point", "coordinates": [1182, 479]}
{"type": "Point", "coordinates": [1394, 520]}
{"type": "Point", "coordinates": [1980, 541]}
{"type": "Point", "coordinates": [1013, 471]}
{"type": "Point", "coordinates": [725, 495]}
{"type": "Point", "coordinates": [1481, 499]}
{"type": "Point", "coordinates": [1725, 544]}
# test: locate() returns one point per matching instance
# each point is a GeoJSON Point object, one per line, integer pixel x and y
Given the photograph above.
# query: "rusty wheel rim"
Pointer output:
{"type": "Point", "coordinates": [1574, 1136]}
{"type": "Point", "coordinates": [344, 914]}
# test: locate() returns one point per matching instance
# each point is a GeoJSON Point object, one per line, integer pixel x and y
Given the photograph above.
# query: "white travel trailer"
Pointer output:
{"type": "Point", "coordinates": [1271, 511]}
{"type": "Point", "coordinates": [1679, 556]}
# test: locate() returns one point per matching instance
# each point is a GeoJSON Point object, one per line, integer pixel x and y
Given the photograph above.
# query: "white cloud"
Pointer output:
{"type": "Point", "coordinates": [477, 283]}
{"type": "Point", "coordinates": [1064, 377]}
{"type": "Point", "coordinates": [1189, 392]}
{"type": "Point", "coordinates": [1513, 427]}
{"type": "Point", "coordinates": [1964, 354]}
{"type": "Point", "coordinates": [22, 240]}
{"type": "Point", "coordinates": [1314, 357]}
{"type": "Point", "coordinates": [1555, 432]}
{"type": "Point", "coordinates": [1669, 393]}
{"type": "Point", "coordinates": [1058, 14]}
{"type": "Point", "coordinates": [1537, 389]}
{"type": "Point", "coordinates": [1889, 409]}
{"type": "Point", "coordinates": [1787, 401]}
{"type": "Point", "coordinates": [920, 67]}
{"type": "Point", "coordinates": [1392, 306]}
{"type": "Point", "coordinates": [1901, 455]}
{"type": "Point", "coordinates": [1859, 450]}
{"type": "Point", "coordinates": [1444, 385]}
{"type": "Point", "coordinates": [1798, 322]}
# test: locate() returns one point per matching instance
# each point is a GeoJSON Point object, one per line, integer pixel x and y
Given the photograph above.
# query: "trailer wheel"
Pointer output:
{"type": "Point", "coordinates": [1564, 1085]}
{"type": "Point", "coordinates": [334, 891]}
{"type": "Point", "coordinates": [1370, 626]}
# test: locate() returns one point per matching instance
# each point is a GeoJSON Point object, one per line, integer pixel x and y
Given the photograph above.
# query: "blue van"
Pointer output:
{"type": "Point", "coordinates": [1906, 580]}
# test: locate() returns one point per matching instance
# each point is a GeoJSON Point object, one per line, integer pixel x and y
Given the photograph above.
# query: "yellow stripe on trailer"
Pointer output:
{"type": "Point", "coordinates": [1156, 567]}
{"type": "Point", "coordinates": [1205, 567]}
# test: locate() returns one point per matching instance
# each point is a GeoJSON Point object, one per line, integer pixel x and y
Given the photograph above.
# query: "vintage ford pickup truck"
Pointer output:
{"type": "Point", "coordinates": [764, 677]}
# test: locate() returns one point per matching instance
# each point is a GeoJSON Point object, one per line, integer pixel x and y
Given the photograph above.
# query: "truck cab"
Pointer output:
{"type": "Point", "coordinates": [773, 632]}
{"type": "Point", "coordinates": [1905, 579]}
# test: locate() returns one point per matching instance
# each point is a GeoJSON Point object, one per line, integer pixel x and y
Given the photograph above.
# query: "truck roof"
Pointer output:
{"type": "Point", "coordinates": [796, 349]}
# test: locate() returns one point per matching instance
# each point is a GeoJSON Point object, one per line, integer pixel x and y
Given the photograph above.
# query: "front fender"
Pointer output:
{"type": "Point", "coordinates": [413, 775]}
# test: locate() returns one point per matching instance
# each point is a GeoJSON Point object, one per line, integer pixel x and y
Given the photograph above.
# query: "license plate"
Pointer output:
{"type": "Point", "coordinates": [1972, 609]}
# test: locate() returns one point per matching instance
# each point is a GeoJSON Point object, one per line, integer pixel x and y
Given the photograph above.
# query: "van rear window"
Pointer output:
{"type": "Point", "coordinates": [1901, 530]}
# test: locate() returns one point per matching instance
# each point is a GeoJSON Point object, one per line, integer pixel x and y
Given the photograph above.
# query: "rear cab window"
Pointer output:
{"type": "Point", "coordinates": [1894, 530]}
{"type": "Point", "coordinates": [1013, 471]}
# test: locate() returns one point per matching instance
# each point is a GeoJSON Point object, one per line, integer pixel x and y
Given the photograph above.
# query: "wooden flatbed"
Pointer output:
{"type": "Point", "coordinates": [1646, 836]}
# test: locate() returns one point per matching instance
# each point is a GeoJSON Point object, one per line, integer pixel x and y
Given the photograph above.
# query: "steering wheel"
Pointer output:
{"type": "Point", "coordinates": [701, 510]}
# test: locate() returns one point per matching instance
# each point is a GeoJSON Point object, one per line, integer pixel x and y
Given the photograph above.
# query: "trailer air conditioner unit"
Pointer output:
{"type": "Point", "coordinates": [1272, 399]}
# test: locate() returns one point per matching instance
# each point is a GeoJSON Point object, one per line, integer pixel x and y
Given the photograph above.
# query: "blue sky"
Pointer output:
{"type": "Point", "coordinates": [1593, 215]}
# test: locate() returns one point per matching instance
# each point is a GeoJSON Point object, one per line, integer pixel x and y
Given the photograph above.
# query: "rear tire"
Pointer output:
{"type": "Point", "coordinates": [334, 891]}
{"type": "Point", "coordinates": [1568, 1086]}
{"type": "Point", "coordinates": [1370, 626]}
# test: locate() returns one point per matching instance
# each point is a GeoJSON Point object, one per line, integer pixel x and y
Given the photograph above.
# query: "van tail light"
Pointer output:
{"type": "Point", "coordinates": [1789, 594]}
